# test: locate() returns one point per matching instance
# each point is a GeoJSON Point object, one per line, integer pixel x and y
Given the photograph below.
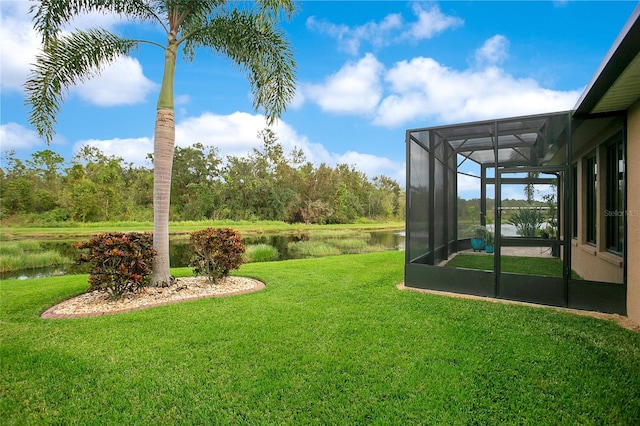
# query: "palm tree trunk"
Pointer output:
{"type": "Point", "coordinates": [163, 144]}
{"type": "Point", "coordinates": [162, 162]}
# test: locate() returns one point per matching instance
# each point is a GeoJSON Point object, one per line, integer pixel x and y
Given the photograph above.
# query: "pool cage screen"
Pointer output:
{"type": "Point", "coordinates": [525, 152]}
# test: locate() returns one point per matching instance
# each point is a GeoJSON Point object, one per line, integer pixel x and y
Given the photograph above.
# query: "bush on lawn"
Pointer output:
{"type": "Point", "coordinates": [215, 252]}
{"type": "Point", "coordinates": [119, 262]}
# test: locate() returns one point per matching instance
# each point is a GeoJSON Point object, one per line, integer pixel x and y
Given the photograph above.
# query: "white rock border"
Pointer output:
{"type": "Point", "coordinates": [187, 288]}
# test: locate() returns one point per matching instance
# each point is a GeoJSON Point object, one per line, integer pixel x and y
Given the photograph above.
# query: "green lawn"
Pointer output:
{"type": "Point", "coordinates": [328, 341]}
{"type": "Point", "coordinates": [543, 266]}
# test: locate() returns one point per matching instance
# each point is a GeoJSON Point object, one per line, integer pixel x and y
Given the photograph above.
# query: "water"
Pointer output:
{"type": "Point", "coordinates": [179, 252]}
{"type": "Point", "coordinates": [506, 230]}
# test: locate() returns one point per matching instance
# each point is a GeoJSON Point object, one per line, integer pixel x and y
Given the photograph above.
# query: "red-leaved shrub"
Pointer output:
{"type": "Point", "coordinates": [119, 262]}
{"type": "Point", "coordinates": [215, 252]}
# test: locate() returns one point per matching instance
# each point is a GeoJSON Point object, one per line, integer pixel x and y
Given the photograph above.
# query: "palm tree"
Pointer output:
{"type": "Point", "coordinates": [246, 32]}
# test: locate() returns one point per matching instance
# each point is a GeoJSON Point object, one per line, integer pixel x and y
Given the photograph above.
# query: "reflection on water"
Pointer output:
{"type": "Point", "coordinates": [179, 251]}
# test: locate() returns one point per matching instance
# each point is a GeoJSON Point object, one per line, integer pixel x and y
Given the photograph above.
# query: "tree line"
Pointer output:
{"type": "Point", "coordinates": [469, 210]}
{"type": "Point", "coordinates": [265, 184]}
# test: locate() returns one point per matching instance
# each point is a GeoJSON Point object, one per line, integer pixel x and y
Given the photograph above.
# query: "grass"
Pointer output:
{"type": "Point", "coordinates": [318, 242]}
{"type": "Point", "coordinates": [9, 248]}
{"type": "Point", "coordinates": [328, 341]}
{"type": "Point", "coordinates": [17, 255]}
{"type": "Point", "coordinates": [332, 242]}
{"type": "Point", "coordinates": [543, 266]}
{"type": "Point", "coordinates": [302, 249]}
{"type": "Point", "coordinates": [260, 253]}
{"type": "Point", "coordinates": [332, 233]}
{"type": "Point", "coordinates": [349, 245]}
{"type": "Point", "coordinates": [73, 230]}
{"type": "Point", "coordinates": [329, 242]}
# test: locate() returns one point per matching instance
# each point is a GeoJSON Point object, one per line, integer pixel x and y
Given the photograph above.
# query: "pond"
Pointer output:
{"type": "Point", "coordinates": [180, 251]}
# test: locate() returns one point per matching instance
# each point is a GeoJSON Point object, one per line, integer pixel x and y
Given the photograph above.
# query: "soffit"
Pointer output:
{"type": "Point", "coordinates": [624, 92]}
{"type": "Point", "coordinates": [616, 84]}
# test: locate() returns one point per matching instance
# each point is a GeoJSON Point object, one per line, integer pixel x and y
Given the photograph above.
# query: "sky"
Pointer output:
{"type": "Point", "coordinates": [366, 72]}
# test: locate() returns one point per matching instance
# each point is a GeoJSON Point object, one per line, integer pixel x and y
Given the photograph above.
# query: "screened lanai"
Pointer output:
{"type": "Point", "coordinates": [498, 175]}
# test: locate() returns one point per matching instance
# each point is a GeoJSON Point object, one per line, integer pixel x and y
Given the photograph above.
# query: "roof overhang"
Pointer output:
{"type": "Point", "coordinates": [616, 84]}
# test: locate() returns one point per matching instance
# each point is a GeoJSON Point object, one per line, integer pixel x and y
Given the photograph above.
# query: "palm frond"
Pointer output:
{"type": "Point", "coordinates": [199, 13]}
{"type": "Point", "coordinates": [51, 15]}
{"type": "Point", "coordinates": [64, 62]}
{"type": "Point", "coordinates": [276, 10]}
{"type": "Point", "coordinates": [259, 48]}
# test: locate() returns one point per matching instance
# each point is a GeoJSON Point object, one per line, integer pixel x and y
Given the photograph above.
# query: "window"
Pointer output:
{"type": "Point", "coordinates": [591, 180]}
{"type": "Point", "coordinates": [574, 202]}
{"type": "Point", "coordinates": [615, 211]}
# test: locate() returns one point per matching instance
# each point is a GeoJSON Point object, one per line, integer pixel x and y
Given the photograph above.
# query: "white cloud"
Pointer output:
{"type": "Point", "coordinates": [120, 83]}
{"type": "Point", "coordinates": [512, 192]}
{"type": "Point", "coordinates": [182, 100]}
{"type": "Point", "coordinates": [468, 184]}
{"type": "Point", "coordinates": [424, 89]}
{"type": "Point", "coordinates": [373, 165]}
{"type": "Point", "coordinates": [94, 20]}
{"type": "Point", "coordinates": [237, 135]}
{"type": "Point", "coordinates": [289, 138]}
{"type": "Point", "coordinates": [233, 134]}
{"type": "Point", "coordinates": [339, 32]}
{"type": "Point", "coordinates": [350, 38]}
{"type": "Point", "coordinates": [14, 136]}
{"type": "Point", "coordinates": [20, 44]}
{"type": "Point", "coordinates": [430, 22]}
{"type": "Point", "coordinates": [298, 99]}
{"type": "Point", "coordinates": [493, 51]}
{"type": "Point", "coordinates": [132, 150]}
{"type": "Point", "coordinates": [355, 89]}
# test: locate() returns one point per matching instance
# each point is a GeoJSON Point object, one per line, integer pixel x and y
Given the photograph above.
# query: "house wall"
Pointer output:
{"type": "Point", "coordinates": [594, 262]}
{"type": "Point", "coordinates": [633, 209]}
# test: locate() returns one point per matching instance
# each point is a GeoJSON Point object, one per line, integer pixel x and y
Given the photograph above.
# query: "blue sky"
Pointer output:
{"type": "Point", "coordinates": [367, 71]}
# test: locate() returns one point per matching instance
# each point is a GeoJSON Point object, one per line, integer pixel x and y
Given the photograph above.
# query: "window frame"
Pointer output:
{"type": "Point", "coordinates": [591, 197]}
{"type": "Point", "coordinates": [574, 201]}
{"type": "Point", "coordinates": [615, 181]}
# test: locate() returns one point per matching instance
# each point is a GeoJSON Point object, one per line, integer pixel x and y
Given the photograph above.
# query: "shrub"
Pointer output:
{"type": "Point", "coordinates": [527, 221]}
{"type": "Point", "coordinates": [261, 253]}
{"type": "Point", "coordinates": [478, 231]}
{"type": "Point", "coordinates": [215, 252]}
{"type": "Point", "coordinates": [119, 262]}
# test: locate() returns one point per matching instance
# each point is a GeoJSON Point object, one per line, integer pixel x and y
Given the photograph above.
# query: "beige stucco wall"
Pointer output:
{"type": "Point", "coordinates": [633, 208]}
{"type": "Point", "coordinates": [596, 266]}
